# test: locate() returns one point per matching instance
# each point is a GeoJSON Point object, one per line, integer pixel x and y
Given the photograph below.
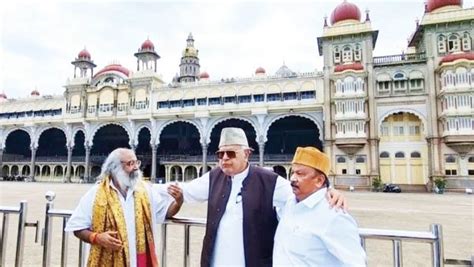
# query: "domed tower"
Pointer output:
{"type": "Point", "coordinates": [84, 63]}
{"type": "Point", "coordinates": [346, 45]}
{"type": "Point", "coordinates": [439, 5]}
{"type": "Point", "coordinates": [147, 56]}
{"type": "Point", "coordinates": [189, 67]}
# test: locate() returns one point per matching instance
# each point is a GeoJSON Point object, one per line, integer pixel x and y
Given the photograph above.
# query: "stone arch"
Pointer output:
{"type": "Point", "coordinates": [46, 171]}
{"type": "Point", "coordinates": [25, 170]}
{"type": "Point", "coordinates": [5, 171]}
{"type": "Point", "coordinates": [164, 125]}
{"type": "Point", "coordinates": [43, 129]}
{"type": "Point", "coordinates": [74, 133]}
{"type": "Point", "coordinates": [8, 132]}
{"type": "Point", "coordinates": [15, 170]}
{"type": "Point", "coordinates": [48, 145]}
{"type": "Point", "coordinates": [306, 116]}
{"type": "Point", "coordinates": [98, 127]}
{"type": "Point", "coordinates": [138, 129]}
{"type": "Point", "coordinates": [219, 120]}
{"type": "Point", "coordinates": [403, 110]}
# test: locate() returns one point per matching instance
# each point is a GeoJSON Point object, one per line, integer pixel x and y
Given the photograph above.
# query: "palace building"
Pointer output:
{"type": "Point", "coordinates": [406, 119]}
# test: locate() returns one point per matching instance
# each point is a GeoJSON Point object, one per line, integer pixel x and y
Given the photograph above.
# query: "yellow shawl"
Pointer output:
{"type": "Point", "coordinates": [108, 216]}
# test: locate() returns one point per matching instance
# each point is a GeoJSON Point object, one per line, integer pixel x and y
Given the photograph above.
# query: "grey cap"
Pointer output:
{"type": "Point", "coordinates": [233, 136]}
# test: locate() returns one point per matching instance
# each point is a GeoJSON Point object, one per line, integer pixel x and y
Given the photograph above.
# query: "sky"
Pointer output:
{"type": "Point", "coordinates": [39, 39]}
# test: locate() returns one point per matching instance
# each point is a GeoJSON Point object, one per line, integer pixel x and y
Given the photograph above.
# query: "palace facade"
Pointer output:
{"type": "Point", "coordinates": [406, 119]}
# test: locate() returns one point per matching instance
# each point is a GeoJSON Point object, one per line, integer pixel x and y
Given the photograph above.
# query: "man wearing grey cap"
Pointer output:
{"type": "Point", "coordinates": [241, 217]}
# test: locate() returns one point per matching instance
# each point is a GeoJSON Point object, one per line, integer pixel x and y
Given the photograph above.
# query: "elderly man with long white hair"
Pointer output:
{"type": "Point", "coordinates": [118, 215]}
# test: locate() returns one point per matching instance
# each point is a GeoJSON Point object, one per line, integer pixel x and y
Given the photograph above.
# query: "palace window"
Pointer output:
{"type": "Point", "coordinates": [441, 44]}
{"type": "Point", "coordinates": [175, 104]}
{"type": "Point", "coordinates": [258, 98]}
{"type": "Point", "coordinates": [357, 53]}
{"type": "Point", "coordinates": [360, 159]}
{"type": "Point", "coordinates": [451, 172]}
{"type": "Point", "coordinates": [398, 130]}
{"type": "Point", "coordinates": [230, 99]}
{"type": "Point", "coordinates": [337, 55]}
{"type": "Point", "coordinates": [347, 54]}
{"type": "Point", "coordinates": [341, 159]}
{"type": "Point", "coordinates": [308, 94]}
{"type": "Point", "coordinates": [163, 104]}
{"type": "Point", "coordinates": [141, 104]}
{"type": "Point", "coordinates": [290, 96]}
{"type": "Point", "coordinates": [450, 159]}
{"type": "Point", "coordinates": [466, 42]}
{"type": "Point", "coordinates": [414, 130]}
{"type": "Point", "coordinates": [122, 107]}
{"type": "Point", "coordinates": [202, 101]}
{"type": "Point", "coordinates": [273, 97]}
{"type": "Point", "coordinates": [416, 84]}
{"type": "Point", "coordinates": [244, 99]}
{"type": "Point", "coordinates": [383, 86]}
{"type": "Point", "coordinates": [188, 102]}
{"type": "Point", "coordinates": [400, 155]}
{"type": "Point", "coordinates": [215, 101]}
{"type": "Point", "coordinates": [415, 154]}
{"type": "Point", "coordinates": [384, 130]}
{"type": "Point", "coordinates": [454, 43]}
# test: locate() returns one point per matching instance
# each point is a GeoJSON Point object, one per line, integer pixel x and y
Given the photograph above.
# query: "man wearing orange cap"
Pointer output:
{"type": "Point", "coordinates": [310, 233]}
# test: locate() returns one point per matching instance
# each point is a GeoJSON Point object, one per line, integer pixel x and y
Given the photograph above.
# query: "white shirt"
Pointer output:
{"type": "Point", "coordinates": [310, 233]}
{"type": "Point", "coordinates": [82, 216]}
{"type": "Point", "coordinates": [229, 246]}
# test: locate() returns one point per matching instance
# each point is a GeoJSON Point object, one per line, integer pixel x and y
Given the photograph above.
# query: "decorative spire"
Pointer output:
{"type": "Point", "coordinates": [325, 21]}
{"type": "Point", "coordinates": [367, 17]}
{"type": "Point", "coordinates": [417, 21]}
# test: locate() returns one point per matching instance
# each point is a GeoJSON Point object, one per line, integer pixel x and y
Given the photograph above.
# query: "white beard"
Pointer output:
{"type": "Point", "coordinates": [126, 181]}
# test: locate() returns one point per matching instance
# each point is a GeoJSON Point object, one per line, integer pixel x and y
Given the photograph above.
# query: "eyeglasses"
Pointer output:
{"type": "Point", "coordinates": [131, 163]}
{"type": "Point", "coordinates": [230, 154]}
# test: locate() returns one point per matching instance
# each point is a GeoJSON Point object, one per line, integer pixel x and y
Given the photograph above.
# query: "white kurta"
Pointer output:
{"type": "Point", "coordinates": [310, 233]}
{"type": "Point", "coordinates": [229, 247]}
{"type": "Point", "coordinates": [82, 216]}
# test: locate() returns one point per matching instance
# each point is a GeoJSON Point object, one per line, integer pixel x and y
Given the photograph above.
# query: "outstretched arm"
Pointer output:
{"type": "Point", "coordinates": [177, 193]}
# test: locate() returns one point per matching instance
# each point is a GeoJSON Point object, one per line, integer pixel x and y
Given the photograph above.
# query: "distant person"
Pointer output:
{"type": "Point", "coordinates": [241, 217]}
{"type": "Point", "coordinates": [310, 233]}
{"type": "Point", "coordinates": [117, 216]}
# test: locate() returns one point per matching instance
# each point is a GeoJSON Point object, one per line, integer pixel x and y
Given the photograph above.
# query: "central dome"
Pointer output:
{"type": "Point", "coordinates": [345, 11]}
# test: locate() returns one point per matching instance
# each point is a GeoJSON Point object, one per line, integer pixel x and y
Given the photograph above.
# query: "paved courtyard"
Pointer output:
{"type": "Point", "coordinates": [406, 211]}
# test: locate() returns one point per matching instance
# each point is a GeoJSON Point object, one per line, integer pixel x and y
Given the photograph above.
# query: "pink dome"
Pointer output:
{"type": "Point", "coordinates": [204, 75]}
{"type": "Point", "coordinates": [35, 93]}
{"type": "Point", "coordinates": [3, 96]}
{"type": "Point", "coordinates": [148, 45]}
{"type": "Point", "coordinates": [345, 11]}
{"type": "Point", "coordinates": [260, 70]}
{"type": "Point", "coordinates": [355, 66]}
{"type": "Point", "coordinates": [84, 54]}
{"type": "Point", "coordinates": [454, 57]}
{"type": "Point", "coordinates": [435, 4]}
{"type": "Point", "coordinates": [114, 67]}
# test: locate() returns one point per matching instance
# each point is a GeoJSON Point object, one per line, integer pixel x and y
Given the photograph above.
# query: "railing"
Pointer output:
{"type": "Point", "coordinates": [433, 237]}
{"type": "Point", "coordinates": [47, 231]}
{"type": "Point", "coordinates": [21, 211]}
{"type": "Point", "coordinates": [399, 59]}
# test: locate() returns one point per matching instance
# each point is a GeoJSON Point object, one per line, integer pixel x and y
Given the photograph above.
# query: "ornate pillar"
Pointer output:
{"type": "Point", "coordinates": [33, 161]}
{"type": "Point", "coordinates": [261, 151]}
{"type": "Point", "coordinates": [204, 158]}
{"type": "Point", "coordinates": [153, 162]}
{"type": "Point", "coordinates": [87, 163]}
{"type": "Point", "coordinates": [69, 164]}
